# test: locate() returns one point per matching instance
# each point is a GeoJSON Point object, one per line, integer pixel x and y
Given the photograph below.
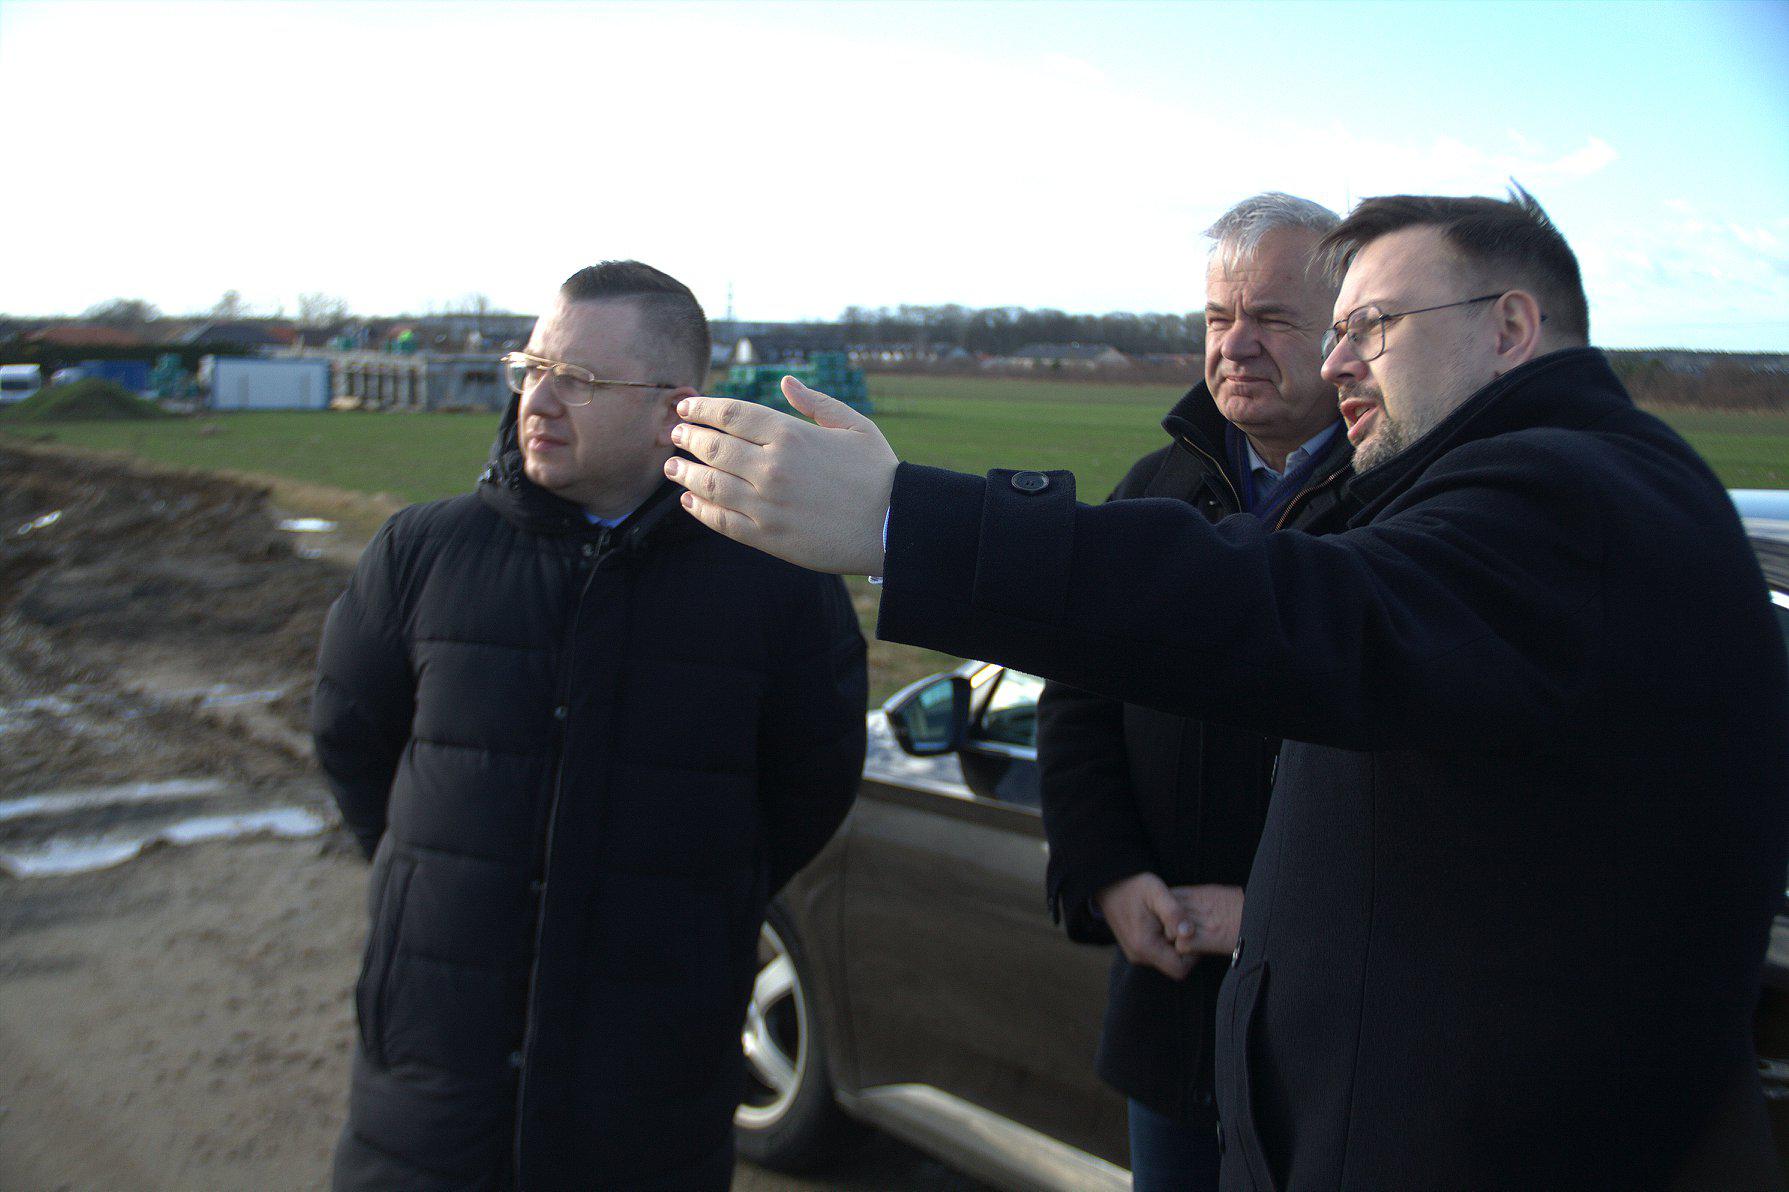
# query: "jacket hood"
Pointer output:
{"type": "Point", "coordinates": [526, 505]}
{"type": "Point", "coordinates": [1567, 390]}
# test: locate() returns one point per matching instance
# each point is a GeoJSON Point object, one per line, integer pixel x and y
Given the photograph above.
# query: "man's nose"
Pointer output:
{"type": "Point", "coordinates": [541, 399]}
{"type": "Point", "coordinates": [1240, 341]}
{"type": "Point", "coordinates": [1342, 364]}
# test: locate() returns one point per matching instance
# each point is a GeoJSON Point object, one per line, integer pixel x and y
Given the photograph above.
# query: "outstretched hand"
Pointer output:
{"type": "Point", "coordinates": [813, 493]}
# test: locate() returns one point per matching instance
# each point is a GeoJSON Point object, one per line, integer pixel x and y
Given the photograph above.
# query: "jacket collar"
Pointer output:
{"type": "Point", "coordinates": [1196, 420]}
{"type": "Point", "coordinates": [506, 489]}
{"type": "Point", "coordinates": [1568, 389]}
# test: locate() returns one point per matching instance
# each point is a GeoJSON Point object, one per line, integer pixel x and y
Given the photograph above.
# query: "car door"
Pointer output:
{"type": "Point", "coordinates": [955, 974]}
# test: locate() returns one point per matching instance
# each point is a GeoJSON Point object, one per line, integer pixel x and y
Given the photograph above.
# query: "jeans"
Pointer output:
{"type": "Point", "coordinates": [1169, 1157]}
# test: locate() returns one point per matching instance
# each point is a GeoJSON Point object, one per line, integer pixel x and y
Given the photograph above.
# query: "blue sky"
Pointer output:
{"type": "Point", "coordinates": [811, 156]}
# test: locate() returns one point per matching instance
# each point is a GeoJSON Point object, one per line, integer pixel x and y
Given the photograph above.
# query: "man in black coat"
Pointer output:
{"type": "Point", "coordinates": [1145, 811]}
{"type": "Point", "coordinates": [566, 890]}
{"type": "Point", "coordinates": [1506, 922]}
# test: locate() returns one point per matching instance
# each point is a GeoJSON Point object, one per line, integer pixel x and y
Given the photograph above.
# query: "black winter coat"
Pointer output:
{"type": "Point", "coordinates": [1128, 789]}
{"type": "Point", "coordinates": [1506, 922]}
{"type": "Point", "coordinates": [582, 760]}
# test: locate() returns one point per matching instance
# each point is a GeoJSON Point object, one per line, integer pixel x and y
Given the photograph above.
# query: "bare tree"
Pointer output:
{"type": "Point", "coordinates": [121, 312]}
{"type": "Point", "coordinates": [230, 306]}
{"type": "Point", "coordinates": [321, 310]}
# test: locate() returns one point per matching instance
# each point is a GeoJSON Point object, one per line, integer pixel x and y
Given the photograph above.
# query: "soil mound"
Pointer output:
{"type": "Point", "coordinates": [116, 565]}
{"type": "Point", "coordinates": [91, 400]}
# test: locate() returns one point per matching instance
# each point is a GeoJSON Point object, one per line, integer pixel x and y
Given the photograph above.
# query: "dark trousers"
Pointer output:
{"type": "Point", "coordinates": [1167, 1156]}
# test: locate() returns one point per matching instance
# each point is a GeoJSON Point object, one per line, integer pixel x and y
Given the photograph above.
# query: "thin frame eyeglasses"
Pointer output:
{"type": "Point", "coordinates": [574, 385]}
{"type": "Point", "coordinates": [1365, 326]}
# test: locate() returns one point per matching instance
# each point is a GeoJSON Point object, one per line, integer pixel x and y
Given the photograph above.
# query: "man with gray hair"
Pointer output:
{"type": "Point", "coordinates": [1153, 818]}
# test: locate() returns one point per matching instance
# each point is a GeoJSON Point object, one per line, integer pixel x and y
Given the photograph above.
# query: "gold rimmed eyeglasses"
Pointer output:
{"type": "Point", "coordinates": [573, 384]}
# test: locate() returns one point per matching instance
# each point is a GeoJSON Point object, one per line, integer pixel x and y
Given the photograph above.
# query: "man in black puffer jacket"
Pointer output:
{"type": "Point", "coordinates": [566, 889]}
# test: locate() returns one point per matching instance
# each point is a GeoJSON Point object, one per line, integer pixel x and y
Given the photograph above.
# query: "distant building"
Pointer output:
{"type": "Point", "coordinates": [85, 335]}
{"type": "Point", "coordinates": [737, 342]}
{"type": "Point", "coordinates": [421, 381]}
{"type": "Point", "coordinates": [240, 334]}
{"type": "Point", "coordinates": [495, 333]}
{"type": "Point", "coordinates": [1063, 356]}
{"type": "Point", "coordinates": [1694, 363]}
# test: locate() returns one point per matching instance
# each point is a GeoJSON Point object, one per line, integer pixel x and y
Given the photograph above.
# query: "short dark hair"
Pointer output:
{"type": "Point", "coordinates": [1513, 241]}
{"type": "Point", "coordinates": [670, 313]}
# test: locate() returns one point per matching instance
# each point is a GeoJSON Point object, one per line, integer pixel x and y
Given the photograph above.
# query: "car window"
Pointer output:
{"type": "Point", "coordinates": [1010, 717]}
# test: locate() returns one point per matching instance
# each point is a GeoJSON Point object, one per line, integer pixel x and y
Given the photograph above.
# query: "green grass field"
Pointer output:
{"type": "Point", "coordinates": [966, 423]}
{"type": "Point", "coordinates": [970, 424]}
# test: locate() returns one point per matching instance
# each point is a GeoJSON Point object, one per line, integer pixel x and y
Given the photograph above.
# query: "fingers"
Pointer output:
{"type": "Point", "coordinates": [1186, 940]}
{"type": "Point", "coordinates": [715, 449]}
{"type": "Point", "coordinates": [1168, 912]}
{"type": "Point", "coordinates": [712, 485]}
{"type": "Point", "coordinates": [734, 525]}
{"type": "Point", "coordinates": [1144, 945]}
{"type": "Point", "coordinates": [1166, 960]}
{"type": "Point", "coordinates": [1143, 915]}
{"type": "Point", "coordinates": [741, 419]}
{"type": "Point", "coordinates": [1211, 919]}
{"type": "Point", "coordinates": [827, 411]}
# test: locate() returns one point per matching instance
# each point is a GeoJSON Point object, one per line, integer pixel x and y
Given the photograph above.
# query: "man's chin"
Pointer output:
{"type": "Point", "coordinates": [543, 475]}
{"type": "Point", "coordinates": [1382, 443]}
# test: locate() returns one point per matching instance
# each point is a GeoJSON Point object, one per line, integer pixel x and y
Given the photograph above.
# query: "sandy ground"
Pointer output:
{"type": "Point", "coordinates": [182, 1020]}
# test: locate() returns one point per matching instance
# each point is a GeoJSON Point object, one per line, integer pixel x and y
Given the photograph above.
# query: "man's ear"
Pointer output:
{"type": "Point", "coordinates": [1518, 325]}
{"type": "Point", "coordinates": [667, 413]}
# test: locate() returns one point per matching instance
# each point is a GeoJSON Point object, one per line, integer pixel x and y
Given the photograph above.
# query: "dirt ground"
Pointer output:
{"type": "Point", "coordinates": [181, 1018]}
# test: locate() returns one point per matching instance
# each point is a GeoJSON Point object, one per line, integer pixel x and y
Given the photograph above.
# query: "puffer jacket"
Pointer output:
{"type": "Point", "coordinates": [582, 759]}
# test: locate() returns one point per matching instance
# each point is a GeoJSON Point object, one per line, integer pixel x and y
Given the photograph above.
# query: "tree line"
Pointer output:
{"type": "Point", "coordinates": [1002, 330]}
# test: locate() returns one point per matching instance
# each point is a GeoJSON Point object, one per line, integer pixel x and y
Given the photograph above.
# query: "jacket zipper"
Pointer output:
{"type": "Point", "coordinates": [1235, 499]}
{"type": "Point", "coordinates": [1292, 505]}
{"type": "Point", "coordinates": [564, 695]}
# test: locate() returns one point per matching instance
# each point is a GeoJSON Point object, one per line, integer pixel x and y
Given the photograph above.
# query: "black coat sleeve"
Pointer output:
{"type": "Point", "coordinates": [365, 695]}
{"type": "Point", "coordinates": [1091, 820]}
{"type": "Point", "coordinates": [1094, 828]}
{"type": "Point", "coordinates": [1467, 614]}
{"type": "Point", "coordinates": [811, 738]}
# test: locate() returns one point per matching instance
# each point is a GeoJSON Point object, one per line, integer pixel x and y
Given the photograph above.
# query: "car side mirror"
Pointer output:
{"type": "Point", "coordinates": [931, 718]}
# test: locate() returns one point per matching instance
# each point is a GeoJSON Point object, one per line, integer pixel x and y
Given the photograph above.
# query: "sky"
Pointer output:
{"type": "Point", "coordinates": [802, 158]}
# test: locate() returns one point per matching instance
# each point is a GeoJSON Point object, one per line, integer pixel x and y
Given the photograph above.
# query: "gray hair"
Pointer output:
{"type": "Point", "coordinates": [1238, 232]}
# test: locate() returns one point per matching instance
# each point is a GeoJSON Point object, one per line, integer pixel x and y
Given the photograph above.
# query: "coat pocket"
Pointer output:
{"type": "Point", "coordinates": [1238, 1003]}
{"type": "Point", "coordinates": [383, 937]}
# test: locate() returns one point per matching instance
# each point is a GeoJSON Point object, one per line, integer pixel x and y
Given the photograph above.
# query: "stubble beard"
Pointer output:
{"type": "Point", "coordinates": [1387, 441]}
{"type": "Point", "coordinates": [1392, 436]}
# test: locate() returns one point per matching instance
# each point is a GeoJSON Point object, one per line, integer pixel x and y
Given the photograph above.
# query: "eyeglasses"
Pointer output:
{"type": "Point", "coordinates": [1365, 326]}
{"type": "Point", "coordinates": [573, 384]}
